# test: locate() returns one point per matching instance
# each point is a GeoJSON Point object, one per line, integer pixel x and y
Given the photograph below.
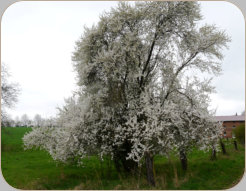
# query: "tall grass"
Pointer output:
{"type": "Point", "coordinates": [35, 169]}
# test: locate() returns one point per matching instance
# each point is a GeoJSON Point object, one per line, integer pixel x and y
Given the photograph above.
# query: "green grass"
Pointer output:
{"type": "Point", "coordinates": [35, 169]}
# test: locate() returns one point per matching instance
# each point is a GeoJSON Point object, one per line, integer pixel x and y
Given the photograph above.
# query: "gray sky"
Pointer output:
{"type": "Point", "coordinates": [38, 39]}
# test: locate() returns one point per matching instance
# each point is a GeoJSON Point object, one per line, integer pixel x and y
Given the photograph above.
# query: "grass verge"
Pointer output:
{"type": "Point", "coordinates": [35, 169]}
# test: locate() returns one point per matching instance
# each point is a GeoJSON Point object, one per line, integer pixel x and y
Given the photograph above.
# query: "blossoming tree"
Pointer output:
{"type": "Point", "coordinates": [137, 95]}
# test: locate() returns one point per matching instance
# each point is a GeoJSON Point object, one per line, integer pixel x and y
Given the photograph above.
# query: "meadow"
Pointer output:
{"type": "Point", "coordinates": [35, 169]}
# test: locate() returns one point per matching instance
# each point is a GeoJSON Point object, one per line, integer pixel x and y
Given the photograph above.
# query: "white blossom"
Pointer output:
{"type": "Point", "coordinates": [135, 93]}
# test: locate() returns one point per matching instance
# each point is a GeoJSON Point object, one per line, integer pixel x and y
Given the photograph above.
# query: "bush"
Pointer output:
{"type": "Point", "coordinates": [240, 133]}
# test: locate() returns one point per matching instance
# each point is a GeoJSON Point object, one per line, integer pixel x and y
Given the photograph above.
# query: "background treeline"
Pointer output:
{"type": "Point", "coordinates": [26, 121]}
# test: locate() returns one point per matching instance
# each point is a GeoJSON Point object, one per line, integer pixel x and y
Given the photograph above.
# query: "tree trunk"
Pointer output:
{"type": "Point", "coordinates": [213, 156]}
{"type": "Point", "coordinates": [117, 164]}
{"type": "Point", "coordinates": [183, 159]}
{"type": "Point", "coordinates": [223, 147]}
{"type": "Point", "coordinates": [149, 168]}
{"type": "Point", "coordinates": [120, 154]}
{"type": "Point", "coordinates": [235, 145]}
{"type": "Point", "coordinates": [130, 166]}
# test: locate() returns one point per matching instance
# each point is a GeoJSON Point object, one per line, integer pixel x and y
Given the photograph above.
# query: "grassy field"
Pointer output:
{"type": "Point", "coordinates": [35, 169]}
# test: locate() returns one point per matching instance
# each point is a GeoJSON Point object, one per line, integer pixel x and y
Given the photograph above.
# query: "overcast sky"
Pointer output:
{"type": "Point", "coordinates": [38, 38]}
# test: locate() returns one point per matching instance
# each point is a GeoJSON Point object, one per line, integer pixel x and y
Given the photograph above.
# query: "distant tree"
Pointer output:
{"type": "Point", "coordinates": [38, 120]}
{"type": "Point", "coordinates": [243, 113]}
{"type": "Point", "coordinates": [25, 121]}
{"type": "Point", "coordinates": [9, 92]}
{"type": "Point", "coordinates": [239, 132]}
{"type": "Point", "coordinates": [17, 121]}
{"type": "Point", "coordinates": [7, 121]}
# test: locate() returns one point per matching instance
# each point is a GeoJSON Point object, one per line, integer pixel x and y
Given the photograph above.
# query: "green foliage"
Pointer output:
{"type": "Point", "coordinates": [240, 133]}
{"type": "Point", "coordinates": [35, 169]}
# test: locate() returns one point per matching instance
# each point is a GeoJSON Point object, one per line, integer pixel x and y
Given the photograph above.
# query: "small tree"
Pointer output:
{"type": "Point", "coordinates": [240, 133]}
{"type": "Point", "coordinates": [25, 121]}
{"type": "Point", "coordinates": [38, 120]}
{"type": "Point", "coordinates": [17, 121]}
{"type": "Point", "coordinates": [9, 92]}
{"type": "Point", "coordinates": [7, 121]}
